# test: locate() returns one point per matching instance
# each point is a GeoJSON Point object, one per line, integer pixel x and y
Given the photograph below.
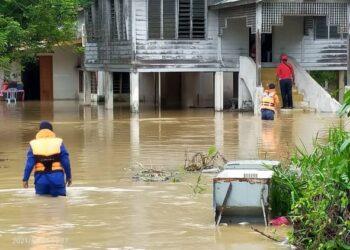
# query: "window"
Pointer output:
{"type": "Point", "coordinates": [322, 30]}
{"type": "Point", "coordinates": [182, 19]}
{"type": "Point", "coordinates": [121, 20]}
{"type": "Point", "coordinates": [95, 20]}
{"type": "Point", "coordinates": [154, 19]}
{"type": "Point", "coordinates": [118, 19]}
{"type": "Point", "coordinates": [114, 27]}
{"type": "Point", "coordinates": [169, 19]}
{"type": "Point", "coordinates": [161, 19]}
{"type": "Point", "coordinates": [198, 18]}
{"type": "Point", "coordinates": [191, 19]}
{"type": "Point", "coordinates": [89, 26]}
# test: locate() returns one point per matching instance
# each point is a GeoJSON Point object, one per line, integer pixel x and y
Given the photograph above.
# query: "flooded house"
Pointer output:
{"type": "Point", "coordinates": [211, 53]}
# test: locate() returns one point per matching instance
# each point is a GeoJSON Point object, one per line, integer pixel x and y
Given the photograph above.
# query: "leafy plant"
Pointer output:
{"type": "Point", "coordinates": [316, 193]}
{"type": "Point", "coordinates": [28, 27]}
{"type": "Point", "coordinates": [199, 186]}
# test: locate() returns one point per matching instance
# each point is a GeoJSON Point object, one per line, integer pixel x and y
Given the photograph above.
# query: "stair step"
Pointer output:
{"type": "Point", "coordinates": [268, 75]}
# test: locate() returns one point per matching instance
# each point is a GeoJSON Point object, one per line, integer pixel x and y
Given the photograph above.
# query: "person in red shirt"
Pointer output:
{"type": "Point", "coordinates": [285, 75]}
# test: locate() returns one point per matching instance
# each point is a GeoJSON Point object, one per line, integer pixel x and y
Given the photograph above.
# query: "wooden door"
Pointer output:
{"type": "Point", "coordinates": [46, 78]}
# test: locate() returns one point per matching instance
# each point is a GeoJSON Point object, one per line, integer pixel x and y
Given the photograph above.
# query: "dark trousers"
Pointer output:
{"type": "Point", "coordinates": [267, 114]}
{"type": "Point", "coordinates": [286, 93]}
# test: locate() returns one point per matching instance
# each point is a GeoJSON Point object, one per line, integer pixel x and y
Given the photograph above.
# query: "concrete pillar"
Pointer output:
{"type": "Point", "coordinates": [134, 92]}
{"type": "Point", "coordinates": [108, 83]}
{"type": "Point", "coordinates": [219, 91]}
{"type": "Point", "coordinates": [341, 85]}
{"type": "Point", "coordinates": [100, 84]}
{"type": "Point", "coordinates": [87, 88]}
{"type": "Point", "coordinates": [258, 42]}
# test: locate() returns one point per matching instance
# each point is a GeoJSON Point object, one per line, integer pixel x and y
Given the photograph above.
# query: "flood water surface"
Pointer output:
{"type": "Point", "coordinates": [106, 208]}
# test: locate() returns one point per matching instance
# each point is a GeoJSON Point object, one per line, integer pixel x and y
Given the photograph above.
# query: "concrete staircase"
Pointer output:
{"type": "Point", "coordinates": [268, 75]}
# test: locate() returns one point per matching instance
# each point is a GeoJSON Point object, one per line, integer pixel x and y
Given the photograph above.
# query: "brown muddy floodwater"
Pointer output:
{"type": "Point", "coordinates": [105, 208]}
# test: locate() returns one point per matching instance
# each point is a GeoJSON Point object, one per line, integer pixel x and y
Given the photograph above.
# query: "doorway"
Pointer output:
{"type": "Point", "coordinates": [266, 47]}
{"type": "Point", "coordinates": [31, 80]}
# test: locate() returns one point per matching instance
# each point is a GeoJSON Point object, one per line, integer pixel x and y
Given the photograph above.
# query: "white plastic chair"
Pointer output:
{"type": "Point", "coordinates": [11, 95]}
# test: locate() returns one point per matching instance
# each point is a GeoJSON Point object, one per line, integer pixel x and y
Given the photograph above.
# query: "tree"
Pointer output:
{"type": "Point", "coordinates": [28, 27]}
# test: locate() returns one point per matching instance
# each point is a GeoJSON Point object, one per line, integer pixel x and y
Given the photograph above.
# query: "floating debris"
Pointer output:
{"type": "Point", "coordinates": [151, 174]}
{"type": "Point", "coordinates": [199, 161]}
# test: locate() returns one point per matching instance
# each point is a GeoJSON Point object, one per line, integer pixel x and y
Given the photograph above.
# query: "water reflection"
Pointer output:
{"type": "Point", "coordinates": [107, 209]}
{"type": "Point", "coordinates": [52, 221]}
{"type": "Point", "coordinates": [135, 135]}
{"type": "Point", "coordinates": [219, 131]}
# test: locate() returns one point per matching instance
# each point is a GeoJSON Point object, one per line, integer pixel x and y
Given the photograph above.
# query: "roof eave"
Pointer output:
{"type": "Point", "coordinates": [226, 4]}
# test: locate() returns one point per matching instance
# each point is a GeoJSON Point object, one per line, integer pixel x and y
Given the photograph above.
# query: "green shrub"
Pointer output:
{"type": "Point", "coordinates": [316, 194]}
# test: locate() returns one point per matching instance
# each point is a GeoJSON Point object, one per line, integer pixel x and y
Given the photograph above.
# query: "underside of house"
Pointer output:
{"type": "Point", "coordinates": [202, 53]}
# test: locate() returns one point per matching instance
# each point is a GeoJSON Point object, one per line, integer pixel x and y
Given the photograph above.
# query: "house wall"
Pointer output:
{"type": "Point", "coordinates": [326, 54]}
{"type": "Point", "coordinates": [197, 89]}
{"type": "Point", "coordinates": [65, 74]}
{"type": "Point", "coordinates": [185, 52]}
{"type": "Point", "coordinates": [147, 88]}
{"type": "Point", "coordinates": [228, 89]}
{"type": "Point", "coordinates": [234, 42]}
{"type": "Point", "coordinates": [115, 54]}
{"type": "Point", "coordinates": [287, 39]}
{"type": "Point", "coordinates": [171, 90]}
{"type": "Point", "coordinates": [184, 89]}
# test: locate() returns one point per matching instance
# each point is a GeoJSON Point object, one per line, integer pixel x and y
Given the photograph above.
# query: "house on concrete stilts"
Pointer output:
{"type": "Point", "coordinates": [208, 53]}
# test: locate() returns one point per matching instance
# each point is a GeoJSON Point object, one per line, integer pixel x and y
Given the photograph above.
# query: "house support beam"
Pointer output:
{"type": "Point", "coordinates": [258, 42]}
{"type": "Point", "coordinates": [134, 92]}
{"type": "Point", "coordinates": [100, 84]}
{"type": "Point", "coordinates": [219, 90]}
{"type": "Point", "coordinates": [87, 88]}
{"type": "Point", "coordinates": [108, 83]}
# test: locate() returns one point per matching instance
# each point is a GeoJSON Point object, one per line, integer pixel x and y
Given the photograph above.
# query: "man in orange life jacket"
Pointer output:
{"type": "Point", "coordinates": [50, 160]}
{"type": "Point", "coordinates": [269, 103]}
{"type": "Point", "coordinates": [285, 75]}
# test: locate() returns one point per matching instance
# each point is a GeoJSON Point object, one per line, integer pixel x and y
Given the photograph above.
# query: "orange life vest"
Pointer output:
{"type": "Point", "coordinates": [268, 100]}
{"type": "Point", "coordinates": [46, 150]}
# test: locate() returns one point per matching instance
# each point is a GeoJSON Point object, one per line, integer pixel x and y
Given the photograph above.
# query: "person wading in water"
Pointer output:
{"type": "Point", "coordinates": [49, 158]}
{"type": "Point", "coordinates": [269, 103]}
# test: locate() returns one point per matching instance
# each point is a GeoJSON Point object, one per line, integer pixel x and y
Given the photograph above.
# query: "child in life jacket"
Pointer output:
{"type": "Point", "coordinates": [269, 103]}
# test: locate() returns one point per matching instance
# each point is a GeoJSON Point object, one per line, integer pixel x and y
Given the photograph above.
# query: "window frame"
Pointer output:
{"type": "Point", "coordinates": [342, 36]}
{"type": "Point", "coordinates": [176, 36]}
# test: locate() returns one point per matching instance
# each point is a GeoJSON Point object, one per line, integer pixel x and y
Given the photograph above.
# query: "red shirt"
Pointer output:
{"type": "Point", "coordinates": [285, 71]}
